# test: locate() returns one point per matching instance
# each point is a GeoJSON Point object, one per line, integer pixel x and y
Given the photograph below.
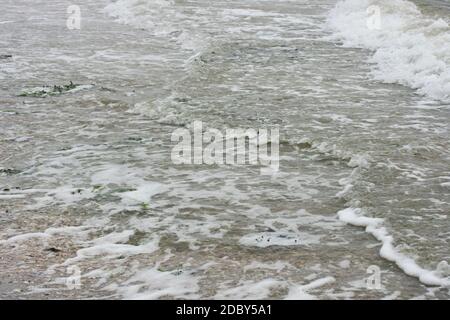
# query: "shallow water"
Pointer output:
{"type": "Point", "coordinates": [92, 167]}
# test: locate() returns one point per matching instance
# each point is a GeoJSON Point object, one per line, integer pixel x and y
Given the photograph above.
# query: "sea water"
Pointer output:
{"type": "Point", "coordinates": [87, 182]}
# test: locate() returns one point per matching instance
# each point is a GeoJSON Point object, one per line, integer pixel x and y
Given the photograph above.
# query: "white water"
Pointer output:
{"type": "Point", "coordinates": [95, 170]}
{"type": "Point", "coordinates": [408, 47]}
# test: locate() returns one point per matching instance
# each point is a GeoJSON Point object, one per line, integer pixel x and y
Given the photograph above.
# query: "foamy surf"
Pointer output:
{"type": "Point", "coordinates": [162, 18]}
{"type": "Point", "coordinates": [409, 48]}
{"type": "Point", "coordinates": [89, 184]}
{"type": "Point", "coordinates": [374, 226]}
{"type": "Point", "coordinates": [151, 15]}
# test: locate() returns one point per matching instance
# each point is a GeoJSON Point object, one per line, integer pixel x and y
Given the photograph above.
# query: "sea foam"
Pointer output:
{"type": "Point", "coordinates": [388, 251]}
{"type": "Point", "coordinates": [409, 47]}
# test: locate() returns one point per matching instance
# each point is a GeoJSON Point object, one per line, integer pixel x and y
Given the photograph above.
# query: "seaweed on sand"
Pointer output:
{"type": "Point", "coordinates": [46, 91]}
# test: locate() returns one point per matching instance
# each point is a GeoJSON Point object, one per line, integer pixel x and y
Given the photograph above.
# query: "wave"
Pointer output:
{"type": "Point", "coordinates": [388, 251]}
{"type": "Point", "coordinates": [163, 18]}
{"type": "Point", "coordinates": [152, 15]}
{"type": "Point", "coordinates": [357, 216]}
{"type": "Point", "coordinates": [353, 215]}
{"type": "Point", "coordinates": [410, 48]}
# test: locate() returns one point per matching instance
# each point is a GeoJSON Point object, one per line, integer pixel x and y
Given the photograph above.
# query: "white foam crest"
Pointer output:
{"type": "Point", "coordinates": [250, 290]}
{"type": "Point", "coordinates": [262, 289]}
{"type": "Point", "coordinates": [375, 227]}
{"type": "Point", "coordinates": [154, 284]}
{"type": "Point", "coordinates": [388, 251]}
{"type": "Point", "coordinates": [75, 231]}
{"type": "Point", "coordinates": [409, 48]}
{"type": "Point", "coordinates": [25, 237]}
{"type": "Point", "coordinates": [110, 247]}
{"type": "Point", "coordinates": [355, 160]}
{"type": "Point", "coordinates": [301, 292]}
